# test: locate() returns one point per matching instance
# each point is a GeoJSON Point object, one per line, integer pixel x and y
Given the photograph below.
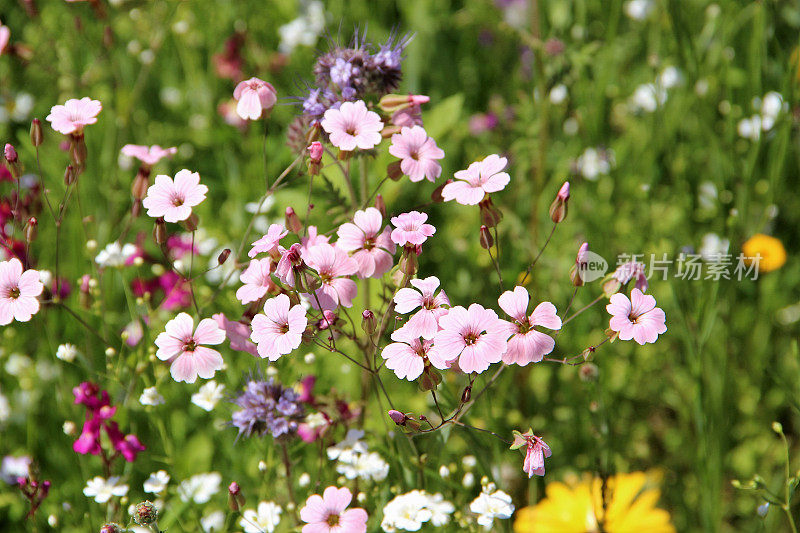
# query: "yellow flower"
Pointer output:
{"type": "Point", "coordinates": [576, 507]}
{"type": "Point", "coordinates": [771, 250]}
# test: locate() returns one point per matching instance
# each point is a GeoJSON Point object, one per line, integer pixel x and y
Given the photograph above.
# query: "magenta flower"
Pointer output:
{"type": "Point", "coordinates": [411, 228]}
{"type": "Point", "coordinates": [149, 155]}
{"type": "Point", "coordinates": [425, 322]}
{"type": "Point", "coordinates": [408, 354]}
{"type": "Point", "coordinates": [474, 336]}
{"type": "Point", "coordinates": [279, 330]}
{"type": "Point", "coordinates": [18, 292]}
{"type": "Point", "coordinates": [173, 200]}
{"type": "Point", "coordinates": [526, 344]}
{"type": "Point", "coordinates": [479, 179]}
{"type": "Point", "coordinates": [535, 452]}
{"type": "Point", "coordinates": [353, 126]}
{"type": "Point", "coordinates": [269, 242]}
{"type": "Point", "coordinates": [372, 247]}
{"type": "Point", "coordinates": [191, 359]}
{"type": "Point", "coordinates": [329, 514]}
{"type": "Point", "coordinates": [256, 279]}
{"type": "Point", "coordinates": [638, 318]}
{"type": "Point", "coordinates": [418, 154]}
{"type": "Point", "coordinates": [333, 266]}
{"type": "Point", "coordinates": [238, 334]}
{"type": "Point", "coordinates": [98, 417]}
{"type": "Point", "coordinates": [254, 97]}
{"type": "Point", "coordinates": [71, 117]}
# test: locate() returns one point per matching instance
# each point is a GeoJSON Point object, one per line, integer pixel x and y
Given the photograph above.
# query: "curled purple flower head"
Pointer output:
{"type": "Point", "coordinates": [267, 407]}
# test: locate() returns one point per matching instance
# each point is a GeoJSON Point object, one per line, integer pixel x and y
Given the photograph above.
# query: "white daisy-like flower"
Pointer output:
{"type": "Point", "coordinates": [208, 395]}
{"type": "Point", "coordinates": [213, 521]}
{"type": "Point", "coordinates": [150, 396]}
{"type": "Point", "coordinates": [157, 482]}
{"type": "Point", "coordinates": [102, 489]}
{"type": "Point", "coordinates": [114, 255]}
{"type": "Point", "coordinates": [265, 519]}
{"type": "Point", "coordinates": [491, 504]}
{"type": "Point", "coordinates": [200, 488]}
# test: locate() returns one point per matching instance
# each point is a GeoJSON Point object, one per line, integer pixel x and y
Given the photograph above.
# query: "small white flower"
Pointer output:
{"type": "Point", "coordinates": [750, 128]}
{"type": "Point", "coordinates": [670, 77]}
{"type": "Point", "coordinates": [5, 409]}
{"type": "Point", "coordinates": [444, 472]}
{"type": "Point", "coordinates": [638, 9]}
{"type": "Point", "coordinates": [713, 248]}
{"type": "Point", "coordinates": [558, 94]}
{"type": "Point", "coordinates": [366, 466]}
{"type": "Point", "coordinates": [469, 461]}
{"type": "Point", "coordinates": [352, 442]}
{"type": "Point", "coordinates": [771, 107]}
{"type": "Point", "coordinates": [491, 504]}
{"type": "Point", "coordinates": [593, 162]}
{"type": "Point", "coordinates": [648, 97]}
{"type": "Point", "coordinates": [102, 489]}
{"type": "Point", "coordinates": [304, 480]}
{"type": "Point", "coordinates": [46, 277]}
{"type": "Point", "coordinates": [303, 30]}
{"type": "Point", "coordinates": [114, 255]}
{"type": "Point", "coordinates": [150, 396]}
{"type": "Point", "coordinates": [17, 364]}
{"type": "Point", "coordinates": [14, 467]}
{"type": "Point", "coordinates": [469, 480]}
{"type": "Point", "coordinates": [208, 395]}
{"type": "Point", "coordinates": [406, 511]}
{"type": "Point", "coordinates": [214, 521]}
{"type": "Point", "coordinates": [265, 519]}
{"type": "Point", "coordinates": [157, 482]}
{"type": "Point", "coordinates": [200, 488]}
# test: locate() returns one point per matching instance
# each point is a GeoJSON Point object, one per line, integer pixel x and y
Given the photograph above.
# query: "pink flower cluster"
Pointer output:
{"type": "Point", "coordinates": [98, 418]}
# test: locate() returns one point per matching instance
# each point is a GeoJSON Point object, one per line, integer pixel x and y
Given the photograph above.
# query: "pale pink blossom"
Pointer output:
{"type": "Point", "coordinates": [290, 261]}
{"type": "Point", "coordinates": [527, 345]}
{"type": "Point", "coordinates": [238, 334]}
{"type": "Point", "coordinates": [18, 292]}
{"type": "Point", "coordinates": [149, 155]}
{"type": "Point", "coordinates": [479, 179]}
{"type": "Point", "coordinates": [191, 359]}
{"type": "Point", "coordinates": [174, 199]}
{"type": "Point", "coordinates": [474, 336]}
{"type": "Point", "coordinates": [632, 270]}
{"type": "Point", "coordinates": [535, 452]}
{"type": "Point", "coordinates": [329, 513]}
{"type": "Point", "coordinates": [407, 355]}
{"type": "Point", "coordinates": [254, 97]}
{"type": "Point", "coordinates": [372, 247]}
{"type": "Point", "coordinates": [256, 279]}
{"type": "Point", "coordinates": [353, 126]}
{"type": "Point", "coordinates": [74, 115]}
{"type": "Point", "coordinates": [418, 154]}
{"type": "Point", "coordinates": [279, 330]}
{"type": "Point", "coordinates": [333, 266]}
{"type": "Point", "coordinates": [5, 37]}
{"type": "Point", "coordinates": [411, 228]}
{"type": "Point", "coordinates": [425, 322]}
{"type": "Point", "coordinates": [269, 242]}
{"type": "Point", "coordinates": [313, 238]}
{"type": "Point", "coordinates": [638, 318]}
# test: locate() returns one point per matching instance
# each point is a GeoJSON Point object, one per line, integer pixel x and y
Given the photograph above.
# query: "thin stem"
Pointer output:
{"type": "Point", "coordinates": [535, 259]}
{"type": "Point", "coordinates": [582, 309]}
{"type": "Point", "coordinates": [287, 463]}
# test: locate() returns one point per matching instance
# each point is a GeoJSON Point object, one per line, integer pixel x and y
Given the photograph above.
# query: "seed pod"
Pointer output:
{"type": "Point", "coordinates": [486, 238]}
{"type": "Point", "coordinates": [393, 171]}
{"type": "Point", "coordinates": [69, 175]}
{"type": "Point", "coordinates": [223, 256]}
{"type": "Point", "coordinates": [160, 231]}
{"type": "Point", "coordinates": [140, 184]}
{"type": "Point", "coordinates": [37, 137]}
{"type": "Point", "coordinates": [293, 223]}
{"type": "Point", "coordinates": [467, 394]}
{"type": "Point", "coordinates": [368, 322]}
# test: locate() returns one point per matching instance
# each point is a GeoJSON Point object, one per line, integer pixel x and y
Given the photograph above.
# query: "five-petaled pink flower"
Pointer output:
{"type": "Point", "coordinates": [333, 266]}
{"type": "Point", "coordinates": [74, 115]}
{"type": "Point", "coordinates": [174, 199]}
{"type": "Point", "coordinates": [638, 318]}
{"type": "Point", "coordinates": [474, 336]}
{"type": "Point", "coordinates": [5, 37]}
{"type": "Point", "coordinates": [526, 344]}
{"type": "Point", "coordinates": [279, 330]}
{"type": "Point", "coordinates": [407, 355]}
{"type": "Point", "coordinates": [329, 513]}
{"type": "Point", "coordinates": [353, 126]}
{"type": "Point", "coordinates": [149, 155]}
{"type": "Point", "coordinates": [418, 154]}
{"type": "Point", "coordinates": [269, 242]}
{"type": "Point", "coordinates": [254, 97]}
{"type": "Point", "coordinates": [535, 452]}
{"type": "Point", "coordinates": [256, 279]}
{"type": "Point", "coordinates": [191, 358]}
{"type": "Point", "coordinates": [18, 292]}
{"type": "Point", "coordinates": [425, 322]}
{"type": "Point", "coordinates": [479, 179]}
{"type": "Point", "coordinates": [411, 228]}
{"type": "Point", "coordinates": [372, 247]}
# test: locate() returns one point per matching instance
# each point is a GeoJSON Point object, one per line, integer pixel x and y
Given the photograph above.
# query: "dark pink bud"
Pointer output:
{"type": "Point", "coordinates": [368, 322]}
{"type": "Point", "coordinates": [293, 223]}
{"type": "Point", "coordinates": [398, 417]}
{"type": "Point", "coordinates": [315, 151]}
{"type": "Point", "coordinates": [10, 154]}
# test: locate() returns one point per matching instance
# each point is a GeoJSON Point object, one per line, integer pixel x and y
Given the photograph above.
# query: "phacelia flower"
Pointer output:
{"type": "Point", "coordinates": [474, 336]}
{"type": "Point", "coordinates": [766, 250]}
{"type": "Point", "coordinates": [18, 292]}
{"type": "Point", "coordinates": [191, 358]}
{"type": "Point", "coordinates": [148, 155]}
{"type": "Point", "coordinates": [71, 117]}
{"type": "Point", "coordinates": [267, 407]}
{"type": "Point", "coordinates": [269, 242]}
{"type": "Point", "coordinates": [279, 330]}
{"type": "Point", "coordinates": [418, 154]}
{"type": "Point", "coordinates": [478, 180]}
{"type": "Point", "coordinates": [254, 97]}
{"type": "Point", "coordinates": [333, 266]}
{"type": "Point", "coordinates": [257, 281]}
{"type": "Point", "coordinates": [425, 322]}
{"type": "Point", "coordinates": [353, 126]}
{"type": "Point", "coordinates": [535, 452]}
{"type": "Point", "coordinates": [329, 513]}
{"type": "Point", "coordinates": [174, 199]}
{"type": "Point", "coordinates": [526, 344]}
{"type": "Point", "coordinates": [372, 248]}
{"type": "Point", "coordinates": [407, 355]}
{"type": "Point", "coordinates": [410, 229]}
{"type": "Point", "coordinates": [638, 318]}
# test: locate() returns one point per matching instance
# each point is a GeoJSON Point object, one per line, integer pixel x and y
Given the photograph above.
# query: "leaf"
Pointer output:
{"type": "Point", "coordinates": [444, 116]}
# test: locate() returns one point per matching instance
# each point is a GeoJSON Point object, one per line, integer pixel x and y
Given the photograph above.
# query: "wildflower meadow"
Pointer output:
{"type": "Point", "coordinates": [330, 266]}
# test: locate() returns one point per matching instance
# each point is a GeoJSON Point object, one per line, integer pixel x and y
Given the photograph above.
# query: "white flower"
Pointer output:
{"type": "Point", "coordinates": [444, 472]}
{"type": "Point", "coordinates": [14, 467]}
{"type": "Point", "coordinates": [102, 489]}
{"type": "Point", "coordinates": [406, 511]}
{"type": "Point", "coordinates": [208, 395]}
{"type": "Point", "coordinates": [157, 482]}
{"type": "Point", "coordinates": [713, 248]}
{"type": "Point", "coordinates": [150, 396]}
{"type": "Point", "coordinates": [200, 488]}
{"type": "Point", "coordinates": [364, 466]}
{"type": "Point", "coordinates": [670, 77]}
{"type": "Point", "coordinates": [491, 504]}
{"type": "Point", "coordinates": [469, 480]}
{"type": "Point", "coordinates": [264, 520]}
{"type": "Point", "coordinates": [638, 9]}
{"type": "Point", "coordinates": [750, 128]}
{"type": "Point", "coordinates": [593, 162]}
{"type": "Point", "coordinates": [771, 107]}
{"type": "Point", "coordinates": [114, 255]}
{"type": "Point", "coordinates": [17, 364]}
{"type": "Point", "coordinates": [558, 94]}
{"type": "Point", "coordinates": [707, 195]}
{"type": "Point", "coordinates": [303, 30]}
{"type": "Point", "coordinates": [5, 408]}
{"type": "Point", "coordinates": [67, 352]}
{"type": "Point", "coordinates": [648, 97]}
{"type": "Point", "coordinates": [304, 480]}
{"type": "Point", "coordinates": [352, 442]}
{"type": "Point", "coordinates": [213, 522]}
{"type": "Point", "coordinates": [469, 461]}
{"type": "Point", "coordinates": [440, 508]}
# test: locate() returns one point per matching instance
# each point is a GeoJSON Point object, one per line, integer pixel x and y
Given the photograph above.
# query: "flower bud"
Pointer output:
{"type": "Point", "coordinates": [467, 394]}
{"type": "Point", "coordinates": [436, 195]}
{"type": "Point", "coordinates": [69, 175]}
{"type": "Point", "coordinates": [78, 151]}
{"type": "Point", "coordinates": [145, 513]}
{"type": "Point", "coordinates": [398, 417]}
{"type": "Point", "coordinates": [136, 208]}
{"type": "Point", "coordinates": [368, 322]}
{"type": "Point", "coordinates": [315, 151]}
{"type": "Point", "coordinates": [408, 262]}
{"type": "Point", "coordinates": [10, 153]}
{"type": "Point", "coordinates": [191, 223]}
{"type": "Point", "coordinates": [429, 379]}
{"type": "Point", "coordinates": [558, 209]}
{"type": "Point", "coordinates": [31, 230]}
{"type": "Point", "coordinates": [293, 223]}
{"type": "Point", "coordinates": [223, 256]}
{"type": "Point", "coordinates": [111, 527]}
{"type": "Point", "coordinates": [37, 137]}
{"type": "Point", "coordinates": [393, 171]}
{"type": "Point", "coordinates": [235, 496]}
{"type": "Point", "coordinates": [160, 231]}
{"type": "Point", "coordinates": [391, 103]}
{"type": "Point", "coordinates": [380, 204]}
{"type": "Point", "coordinates": [486, 238]}
{"type": "Point", "coordinates": [490, 215]}
{"type": "Point", "coordinates": [140, 184]}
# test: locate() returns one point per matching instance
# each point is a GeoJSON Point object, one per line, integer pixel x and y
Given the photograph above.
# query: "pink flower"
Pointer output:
{"type": "Point", "coordinates": [238, 334]}
{"type": "Point", "coordinates": [329, 514]}
{"type": "Point", "coordinates": [279, 330]}
{"type": "Point", "coordinates": [254, 96]}
{"type": "Point", "coordinates": [312, 239]}
{"type": "Point", "coordinates": [526, 344]}
{"type": "Point", "coordinates": [191, 359]}
{"type": "Point", "coordinates": [418, 154]}
{"type": "Point", "coordinates": [408, 354]}
{"type": "Point", "coordinates": [269, 242]}
{"type": "Point", "coordinates": [18, 292]}
{"type": "Point", "coordinates": [74, 115]}
{"type": "Point", "coordinates": [479, 179]}
{"type": "Point", "coordinates": [631, 270]}
{"type": "Point", "coordinates": [149, 155]}
{"type": "Point", "coordinates": [474, 336]}
{"type": "Point", "coordinates": [5, 37]}
{"type": "Point", "coordinates": [290, 263]}
{"type": "Point", "coordinates": [638, 318]}
{"type": "Point", "coordinates": [373, 248]}
{"type": "Point", "coordinates": [411, 228]}
{"type": "Point", "coordinates": [256, 279]}
{"type": "Point", "coordinates": [535, 452]}
{"type": "Point", "coordinates": [333, 265]}
{"type": "Point", "coordinates": [563, 192]}
{"type": "Point", "coordinates": [353, 126]}
{"type": "Point", "coordinates": [174, 200]}
{"type": "Point", "coordinates": [425, 322]}
{"type": "Point", "coordinates": [315, 151]}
